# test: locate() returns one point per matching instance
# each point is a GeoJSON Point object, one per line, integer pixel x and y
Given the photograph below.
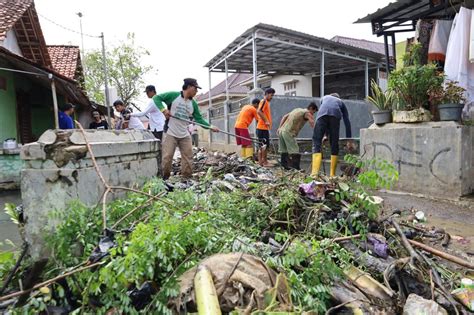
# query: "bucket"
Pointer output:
{"type": "Point", "coordinates": [450, 112]}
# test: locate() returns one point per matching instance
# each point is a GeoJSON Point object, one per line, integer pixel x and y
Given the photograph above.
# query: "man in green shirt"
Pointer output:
{"type": "Point", "coordinates": [180, 108]}
{"type": "Point", "coordinates": [290, 126]}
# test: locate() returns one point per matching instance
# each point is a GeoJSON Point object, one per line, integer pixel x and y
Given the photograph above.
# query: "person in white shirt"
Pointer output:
{"type": "Point", "coordinates": [155, 116]}
{"type": "Point", "coordinates": [126, 121]}
{"type": "Point", "coordinates": [193, 131]}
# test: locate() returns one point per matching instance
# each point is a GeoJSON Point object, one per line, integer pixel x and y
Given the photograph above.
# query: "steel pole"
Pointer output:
{"type": "Point", "coordinates": [366, 78]}
{"type": "Point", "coordinates": [209, 110]}
{"type": "Point", "coordinates": [254, 60]}
{"type": "Point", "coordinates": [321, 77]}
{"type": "Point", "coordinates": [106, 80]}
{"type": "Point", "coordinates": [226, 104]}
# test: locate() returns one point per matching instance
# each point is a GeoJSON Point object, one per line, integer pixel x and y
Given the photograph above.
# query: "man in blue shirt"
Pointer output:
{"type": "Point", "coordinates": [331, 111]}
{"type": "Point", "coordinates": [65, 120]}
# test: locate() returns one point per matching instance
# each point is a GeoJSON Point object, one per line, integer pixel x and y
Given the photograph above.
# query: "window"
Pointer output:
{"type": "Point", "coordinates": [290, 88]}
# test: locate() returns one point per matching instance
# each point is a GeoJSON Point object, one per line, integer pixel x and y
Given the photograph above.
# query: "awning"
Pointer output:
{"type": "Point", "coordinates": [64, 85]}
{"type": "Point", "coordinates": [402, 15]}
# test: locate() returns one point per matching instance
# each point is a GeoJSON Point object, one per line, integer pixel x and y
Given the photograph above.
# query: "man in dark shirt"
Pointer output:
{"type": "Point", "coordinates": [65, 120]}
{"type": "Point", "coordinates": [331, 111]}
{"type": "Point", "coordinates": [98, 122]}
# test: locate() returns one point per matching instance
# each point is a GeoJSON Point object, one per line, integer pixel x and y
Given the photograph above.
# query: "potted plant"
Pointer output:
{"type": "Point", "coordinates": [450, 100]}
{"type": "Point", "coordinates": [383, 101]}
{"type": "Point", "coordinates": [411, 85]}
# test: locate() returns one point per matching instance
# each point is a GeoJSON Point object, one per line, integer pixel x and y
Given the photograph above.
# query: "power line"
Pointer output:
{"type": "Point", "coordinates": [67, 28]}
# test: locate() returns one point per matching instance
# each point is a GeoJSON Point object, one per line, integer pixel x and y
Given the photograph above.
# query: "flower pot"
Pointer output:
{"type": "Point", "coordinates": [411, 116]}
{"type": "Point", "coordinates": [450, 112]}
{"type": "Point", "coordinates": [382, 116]}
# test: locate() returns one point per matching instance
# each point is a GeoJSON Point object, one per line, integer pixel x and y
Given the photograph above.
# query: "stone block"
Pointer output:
{"type": "Point", "coordinates": [99, 136]}
{"type": "Point", "coordinates": [48, 137]}
{"type": "Point", "coordinates": [434, 158]}
{"type": "Point", "coordinates": [33, 151]}
{"type": "Point", "coordinates": [411, 116]}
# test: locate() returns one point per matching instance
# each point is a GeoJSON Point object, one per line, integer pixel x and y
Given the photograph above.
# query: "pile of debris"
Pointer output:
{"type": "Point", "coordinates": [241, 239]}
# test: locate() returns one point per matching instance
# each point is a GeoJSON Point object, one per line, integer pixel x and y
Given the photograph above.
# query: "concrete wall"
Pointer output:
{"type": "Point", "coordinates": [58, 169]}
{"type": "Point", "coordinates": [359, 114]}
{"type": "Point", "coordinates": [8, 117]}
{"type": "Point", "coordinates": [433, 158]}
{"type": "Point", "coordinates": [11, 43]}
{"type": "Point", "coordinates": [10, 168]}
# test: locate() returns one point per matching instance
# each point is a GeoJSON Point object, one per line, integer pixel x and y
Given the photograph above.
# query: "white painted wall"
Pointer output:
{"type": "Point", "coordinates": [11, 43]}
{"type": "Point", "coordinates": [303, 86]}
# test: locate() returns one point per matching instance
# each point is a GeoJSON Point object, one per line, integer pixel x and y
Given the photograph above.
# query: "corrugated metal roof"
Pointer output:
{"type": "Point", "coordinates": [285, 51]}
{"type": "Point", "coordinates": [411, 10]}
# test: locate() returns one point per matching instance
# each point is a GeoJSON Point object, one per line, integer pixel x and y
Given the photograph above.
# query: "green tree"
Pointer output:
{"type": "Point", "coordinates": [125, 70]}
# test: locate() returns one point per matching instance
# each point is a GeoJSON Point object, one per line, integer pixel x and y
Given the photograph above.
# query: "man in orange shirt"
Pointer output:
{"type": "Point", "coordinates": [264, 125]}
{"type": "Point", "coordinates": [247, 114]}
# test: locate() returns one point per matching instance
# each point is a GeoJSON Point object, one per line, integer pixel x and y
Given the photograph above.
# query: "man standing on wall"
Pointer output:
{"type": "Point", "coordinates": [290, 125]}
{"type": "Point", "coordinates": [181, 107]}
{"type": "Point", "coordinates": [65, 120]}
{"type": "Point", "coordinates": [331, 111]}
{"type": "Point", "coordinates": [264, 126]}
{"type": "Point", "coordinates": [156, 118]}
{"type": "Point", "coordinates": [247, 114]}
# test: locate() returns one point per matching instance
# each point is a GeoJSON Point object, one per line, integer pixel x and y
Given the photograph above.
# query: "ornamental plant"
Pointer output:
{"type": "Point", "coordinates": [382, 100]}
{"type": "Point", "coordinates": [450, 93]}
{"type": "Point", "coordinates": [411, 85]}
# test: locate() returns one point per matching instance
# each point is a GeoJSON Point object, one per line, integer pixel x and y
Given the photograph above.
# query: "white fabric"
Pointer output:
{"type": "Point", "coordinates": [135, 123]}
{"type": "Point", "coordinates": [439, 38]}
{"type": "Point", "coordinates": [156, 117]}
{"type": "Point", "coordinates": [457, 66]}
{"type": "Point", "coordinates": [471, 40]}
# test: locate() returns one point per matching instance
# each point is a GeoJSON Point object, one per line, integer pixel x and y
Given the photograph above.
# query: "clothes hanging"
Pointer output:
{"type": "Point", "coordinates": [457, 66]}
{"type": "Point", "coordinates": [439, 40]}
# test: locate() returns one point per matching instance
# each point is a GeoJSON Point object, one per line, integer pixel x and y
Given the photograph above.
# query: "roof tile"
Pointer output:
{"type": "Point", "coordinates": [64, 59]}
{"type": "Point", "coordinates": [10, 12]}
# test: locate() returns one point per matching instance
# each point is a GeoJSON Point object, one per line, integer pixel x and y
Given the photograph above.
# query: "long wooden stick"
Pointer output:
{"type": "Point", "coordinates": [48, 282]}
{"type": "Point", "coordinates": [443, 255]}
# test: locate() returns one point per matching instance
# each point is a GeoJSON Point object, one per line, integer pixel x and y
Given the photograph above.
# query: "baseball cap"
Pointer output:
{"type": "Point", "coordinates": [192, 82]}
{"type": "Point", "coordinates": [150, 88]}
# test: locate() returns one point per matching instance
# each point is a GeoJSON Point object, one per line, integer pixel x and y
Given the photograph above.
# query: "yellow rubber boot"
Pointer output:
{"type": "Point", "coordinates": [333, 165]}
{"type": "Point", "coordinates": [316, 165]}
{"type": "Point", "coordinates": [243, 153]}
{"type": "Point", "coordinates": [249, 153]}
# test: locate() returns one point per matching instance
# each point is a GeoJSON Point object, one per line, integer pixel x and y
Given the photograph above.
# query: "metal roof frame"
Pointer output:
{"type": "Point", "coordinates": [284, 51]}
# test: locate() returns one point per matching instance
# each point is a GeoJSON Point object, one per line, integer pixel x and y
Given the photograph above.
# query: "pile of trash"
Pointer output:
{"type": "Point", "coordinates": [240, 239]}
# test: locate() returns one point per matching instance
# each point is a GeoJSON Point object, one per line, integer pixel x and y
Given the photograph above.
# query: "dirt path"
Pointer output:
{"type": "Point", "coordinates": [457, 218]}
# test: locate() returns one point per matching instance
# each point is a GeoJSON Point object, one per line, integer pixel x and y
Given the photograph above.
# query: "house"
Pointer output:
{"type": "Point", "coordinates": [28, 70]}
{"type": "Point", "coordinates": [218, 93]}
{"type": "Point", "coordinates": [32, 76]}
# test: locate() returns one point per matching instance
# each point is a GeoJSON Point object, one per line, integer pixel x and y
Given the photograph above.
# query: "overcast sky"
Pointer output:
{"type": "Point", "coordinates": [183, 35]}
